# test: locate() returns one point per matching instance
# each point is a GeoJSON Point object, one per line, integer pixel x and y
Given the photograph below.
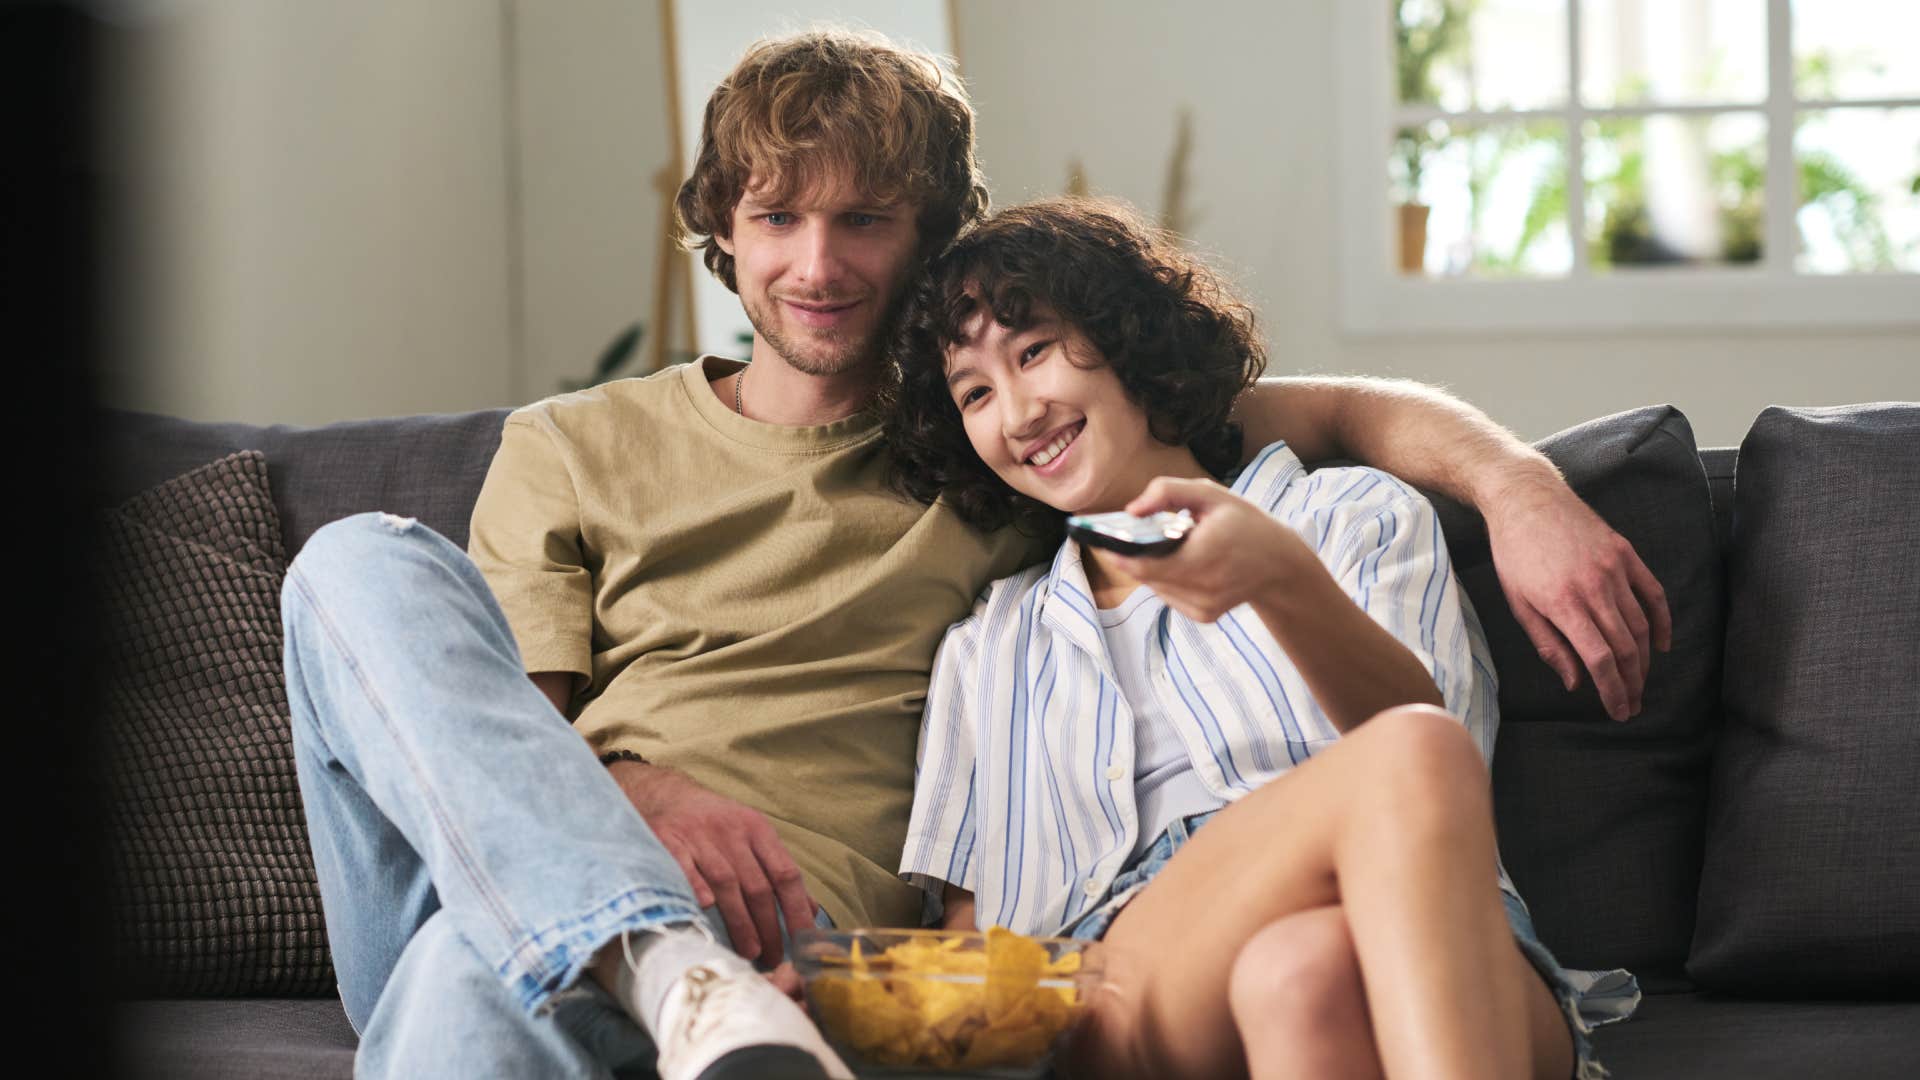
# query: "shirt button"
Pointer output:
{"type": "Point", "coordinates": [1092, 887]}
{"type": "Point", "coordinates": [1115, 772]}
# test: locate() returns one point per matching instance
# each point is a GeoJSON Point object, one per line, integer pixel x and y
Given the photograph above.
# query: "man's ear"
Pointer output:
{"type": "Point", "coordinates": [725, 242]}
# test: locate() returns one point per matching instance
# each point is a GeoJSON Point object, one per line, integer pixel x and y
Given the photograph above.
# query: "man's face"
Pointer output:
{"type": "Point", "coordinates": [820, 273]}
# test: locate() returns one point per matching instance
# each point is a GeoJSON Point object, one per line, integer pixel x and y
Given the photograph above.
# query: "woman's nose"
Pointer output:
{"type": "Point", "coordinates": [1021, 413]}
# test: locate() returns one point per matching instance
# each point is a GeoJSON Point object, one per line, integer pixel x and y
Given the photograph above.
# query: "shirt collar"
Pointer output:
{"type": "Point", "coordinates": [1068, 608]}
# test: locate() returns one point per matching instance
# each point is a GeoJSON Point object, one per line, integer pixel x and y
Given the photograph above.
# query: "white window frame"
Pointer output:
{"type": "Point", "coordinates": [1377, 299]}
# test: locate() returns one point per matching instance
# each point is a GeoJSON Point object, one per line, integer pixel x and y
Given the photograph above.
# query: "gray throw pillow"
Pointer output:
{"type": "Point", "coordinates": [1600, 822]}
{"type": "Point", "coordinates": [214, 889]}
{"type": "Point", "coordinates": [1812, 875]}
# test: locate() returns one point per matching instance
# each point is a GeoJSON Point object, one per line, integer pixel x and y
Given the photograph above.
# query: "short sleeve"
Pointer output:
{"type": "Point", "coordinates": [525, 538]}
{"type": "Point", "coordinates": [1391, 558]}
{"type": "Point", "coordinates": [940, 833]}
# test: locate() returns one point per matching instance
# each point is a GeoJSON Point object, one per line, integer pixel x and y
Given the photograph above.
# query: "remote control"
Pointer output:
{"type": "Point", "coordinates": [1156, 534]}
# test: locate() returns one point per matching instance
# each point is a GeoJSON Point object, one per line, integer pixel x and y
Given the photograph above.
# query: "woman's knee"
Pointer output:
{"type": "Point", "coordinates": [1300, 971]}
{"type": "Point", "coordinates": [1420, 749]}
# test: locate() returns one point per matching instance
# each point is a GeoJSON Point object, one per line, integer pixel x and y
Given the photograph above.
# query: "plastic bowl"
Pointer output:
{"type": "Point", "coordinates": [914, 1002]}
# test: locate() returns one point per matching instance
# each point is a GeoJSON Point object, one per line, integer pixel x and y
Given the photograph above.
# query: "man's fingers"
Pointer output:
{"type": "Point", "coordinates": [1626, 661]}
{"type": "Point", "coordinates": [702, 892]}
{"type": "Point", "coordinates": [1598, 655]}
{"type": "Point", "coordinates": [786, 980]}
{"type": "Point", "coordinates": [756, 892]}
{"type": "Point", "coordinates": [1547, 642]}
{"type": "Point", "coordinates": [789, 886]}
{"type": "Point", "coordinates": [1637, 625]}
{"type": "Point", "coordinates": [726, 897]}
{"type": "Point", "coordinates": [1646, 588]}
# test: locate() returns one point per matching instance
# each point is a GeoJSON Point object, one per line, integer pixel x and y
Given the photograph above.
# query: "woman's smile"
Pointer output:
{"type": "Point", "coordinates": [1046, 460]}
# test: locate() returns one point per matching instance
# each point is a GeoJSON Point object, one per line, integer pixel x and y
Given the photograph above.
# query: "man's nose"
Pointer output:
{"type": "Point", "coordinates": [819, 262]}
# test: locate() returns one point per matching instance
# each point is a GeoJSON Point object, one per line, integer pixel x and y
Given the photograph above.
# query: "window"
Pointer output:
{"type": "Point", "coordinates": [1556, 164]}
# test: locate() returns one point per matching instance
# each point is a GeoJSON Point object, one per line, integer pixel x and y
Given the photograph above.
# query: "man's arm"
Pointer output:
{"type": "Point", "coordinates": [558, 686]}
{"type": "Point", "coordinates": [525, 538]}
{"type": "Point", "coordinates": [1575, 585]}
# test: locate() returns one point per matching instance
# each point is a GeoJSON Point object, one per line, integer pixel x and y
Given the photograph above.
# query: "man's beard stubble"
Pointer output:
{"type": "Point", "coordinates": [832, 353]}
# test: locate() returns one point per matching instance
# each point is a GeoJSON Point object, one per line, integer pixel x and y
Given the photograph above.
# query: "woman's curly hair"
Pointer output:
{"type": "Point", "coordinates": [1182, 343]}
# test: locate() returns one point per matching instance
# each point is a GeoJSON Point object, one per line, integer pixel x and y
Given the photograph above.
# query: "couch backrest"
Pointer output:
{"type": "Point", "coordinates": [429, 467]}
{"type": "Point", "coordinates": [1601, 823]}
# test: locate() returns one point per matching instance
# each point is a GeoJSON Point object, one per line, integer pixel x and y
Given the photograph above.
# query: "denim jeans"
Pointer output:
{"type": "Point", "coordinates": [472, 853]}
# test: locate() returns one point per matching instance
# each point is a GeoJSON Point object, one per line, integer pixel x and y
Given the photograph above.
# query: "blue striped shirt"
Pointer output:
{"type": "Point", "coordinates": [1024, 790]}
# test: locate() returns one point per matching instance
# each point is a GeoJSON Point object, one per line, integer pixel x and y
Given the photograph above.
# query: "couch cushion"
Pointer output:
{"type": "Point", "coordinates": [234, 1039]}
{"type": "Point", "coordinates": [1812, 877]}
{"type": "Point", "coordinates": [214, 888]}
{"type": "Point", "coordinates": [429, 467]}
{"type": "Point", "coordinates": [1600, 823]}
{"type": "Point", "coordinates": [1689, 1036]}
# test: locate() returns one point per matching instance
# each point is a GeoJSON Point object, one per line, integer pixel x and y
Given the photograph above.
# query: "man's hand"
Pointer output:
{"type": "Point", "coordinates": [730, 855]}
{"type": "Point", "coordinates": [1579, 591]}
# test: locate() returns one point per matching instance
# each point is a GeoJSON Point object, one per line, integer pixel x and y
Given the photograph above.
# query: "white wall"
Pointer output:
{"type": "Point", "coordinates": [322, 227]}
{"type": "Point", "coordinates": [1102, 82]}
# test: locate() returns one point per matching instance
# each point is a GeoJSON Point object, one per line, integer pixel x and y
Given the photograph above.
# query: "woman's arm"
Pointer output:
{"type": "Point", "coordinates": [1237, 554]}
{"type": "Point", "coordinates": [959, 909]}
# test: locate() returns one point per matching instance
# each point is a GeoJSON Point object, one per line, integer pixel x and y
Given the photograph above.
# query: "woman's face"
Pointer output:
{"type": "Point", "coordinates": [1048, 416]}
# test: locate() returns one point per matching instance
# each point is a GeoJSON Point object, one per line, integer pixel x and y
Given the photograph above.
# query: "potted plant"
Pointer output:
{"type": "Point", "coordinates": [1425, 32]}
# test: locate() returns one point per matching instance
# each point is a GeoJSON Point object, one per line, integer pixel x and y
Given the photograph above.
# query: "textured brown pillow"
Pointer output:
{"type": "Point", "coordinates": [214, 890]}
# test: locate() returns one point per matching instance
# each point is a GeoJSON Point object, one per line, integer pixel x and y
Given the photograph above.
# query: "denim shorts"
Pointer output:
{"type": "Point", "coordinates": [1586, 998]}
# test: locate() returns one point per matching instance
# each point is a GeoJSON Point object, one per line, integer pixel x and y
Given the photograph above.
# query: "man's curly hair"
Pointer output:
{"type": "Point", "coordinates": [1182, 343]}
{"type": "Point", "coordinates": [832, 103]}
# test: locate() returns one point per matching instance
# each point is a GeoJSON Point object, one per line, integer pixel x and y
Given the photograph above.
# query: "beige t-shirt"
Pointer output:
{"type": "Point", "coordinates": [747, 602]}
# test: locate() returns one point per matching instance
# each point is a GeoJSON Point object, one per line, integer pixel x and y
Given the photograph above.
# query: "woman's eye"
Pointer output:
{"type": "Point", "coordinates": [972, 396]}
{"type": "Point", "coordinates": [1033, 351]}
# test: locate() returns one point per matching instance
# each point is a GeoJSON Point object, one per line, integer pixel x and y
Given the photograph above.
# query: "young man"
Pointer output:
{"type": "Point", "coordinates": [705, 572]}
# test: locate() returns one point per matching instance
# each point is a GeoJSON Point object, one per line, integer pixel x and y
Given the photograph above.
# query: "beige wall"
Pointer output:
{"type": "Point", "coordinates": [361, 208]}
{"type": "Point", "coordinates": [1071, 78]}
{"type": "Point", "coordinates": [370, 209]}
{"type": "Point", "coordinates": [321, 228]}
{"type": "Point", "coordinates": [592, 131]}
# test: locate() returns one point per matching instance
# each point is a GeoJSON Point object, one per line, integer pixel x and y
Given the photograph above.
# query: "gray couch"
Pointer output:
{"type": "Point", "coordinates": [1747, 846]}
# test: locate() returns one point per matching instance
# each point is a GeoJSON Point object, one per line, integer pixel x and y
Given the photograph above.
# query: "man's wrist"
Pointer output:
{"type": "Point", "coordinates": [1524, 479]}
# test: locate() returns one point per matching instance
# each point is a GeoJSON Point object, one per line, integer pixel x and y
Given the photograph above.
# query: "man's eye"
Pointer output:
{"type": "Point", "coordinates": [777, 218]}
{"type": "Point", "coordinates": [1033, 351]}
{"type": "Point", "coordinates": [863, 219]}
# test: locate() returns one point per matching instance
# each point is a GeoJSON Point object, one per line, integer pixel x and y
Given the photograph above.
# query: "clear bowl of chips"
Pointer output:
{"type": "Point", "coordinates": [910, 1002]}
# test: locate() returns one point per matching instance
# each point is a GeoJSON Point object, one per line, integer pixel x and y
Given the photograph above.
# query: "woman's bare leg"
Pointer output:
{"type": "Point", "coordinates": [1299, 1002]}
{"type": "Point", "coordinates": [1393, 823]}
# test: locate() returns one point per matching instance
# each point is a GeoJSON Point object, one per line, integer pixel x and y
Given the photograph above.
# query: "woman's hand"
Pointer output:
{"type": "Point", "coordinates": [1234, 554]}
{"type": "Point", "coordinates": [1237, 554]}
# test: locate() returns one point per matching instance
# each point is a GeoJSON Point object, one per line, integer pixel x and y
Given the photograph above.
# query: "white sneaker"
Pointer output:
{"type": "Point", "coordinates": [725, 1019]}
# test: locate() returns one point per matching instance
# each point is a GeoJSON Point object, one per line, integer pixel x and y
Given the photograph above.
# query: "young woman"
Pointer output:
{"type": "Point", "coordinates": [1256, 766]}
